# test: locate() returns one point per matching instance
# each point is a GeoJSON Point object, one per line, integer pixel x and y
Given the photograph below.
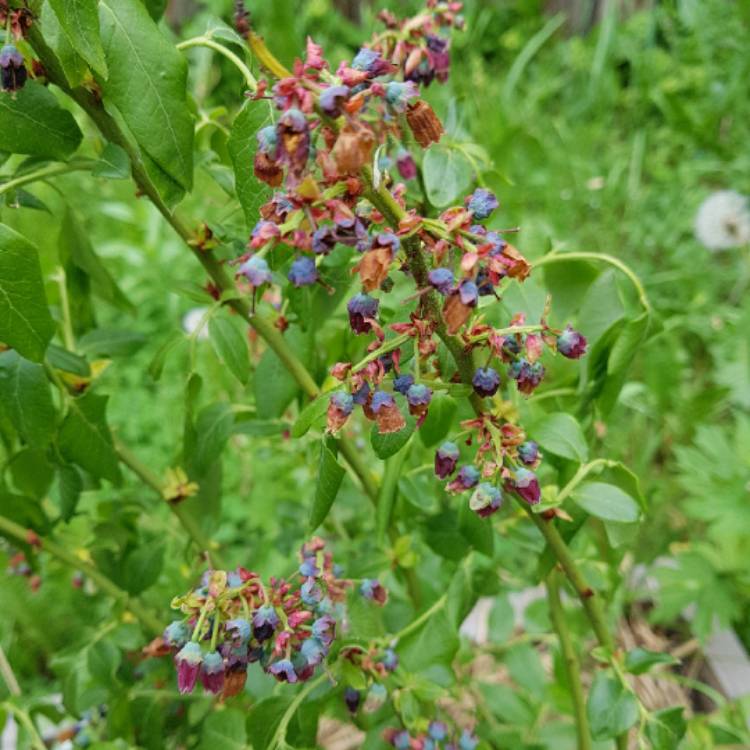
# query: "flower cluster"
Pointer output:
{"type": "Point", "coordinates": [232, 620]}
{"type": "Point", "coordinates": [438, 736]}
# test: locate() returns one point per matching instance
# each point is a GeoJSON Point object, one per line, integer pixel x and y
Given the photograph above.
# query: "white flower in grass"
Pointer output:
{"type": "Point", "coordinates": [723, 220]}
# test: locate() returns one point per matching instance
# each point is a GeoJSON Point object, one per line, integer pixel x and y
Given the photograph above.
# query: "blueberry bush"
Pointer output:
{"type": "Point", "coordinates": [287, 391]}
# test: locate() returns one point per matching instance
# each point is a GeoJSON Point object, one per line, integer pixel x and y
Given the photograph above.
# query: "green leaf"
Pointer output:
{"type": "Point", "coordinates": [611, 708]}
{"type": "Point", "coordinates": [73, 66]}
{"type": "Point", "coordinates": [24, 510]}
{"type": "Point", "coordinates": [85, 439]}
{"type": "Point", "coordinates": [439, 419]}
{"type": "Point", "coordinates": [69, 488]}
{"type": "Point", "coordinates": [435, 642]}
{"type": "Point", "coordinates": [560, 433]}
{"type": "Point", "coordinates": [447, 175]}
{"type": "Point", "coordinates": [62, 359]}
{"type": "Point", "coordinates": [640, 660]}
{"type": "Point", "coordinates": [242, 145]}
{"type": "Point", "coordinates": [75, 247]}
{"type": "Point", "coordinates": [32, 122]}
{"type": "Point", "coordinates": [391, 443]}
{"type": "Point", "coordinates": [80, 21]}
{"type": "Point", "coordinates": [111, 342]}
{"type": "Point", "coordinates": [147, 83]}
{"type": "Point", "coordinates": [26, 398]}
{"type": "Point", "coordinates": [330, 476]}
{"type": "Point", "coordinates": [275, 387]}
{"type": "Point", "coordinates": [142, 567]}
{"type": "Point", "coordinates": [25, 322]}
{"type": "Point", "coordinates": [477, 531]}
{"type": "Point", "coordinates": [103, 659]}
{"type": "Point", "coordinates": [213, 428]}
{"type": "Point", "coordinates": [224, 729]}
{"type": "Point", "coordinates": [156, 366]}
{"type": "Point", "coordinates": [665, 728]}
{"type": "Point", "coordinates": [263, 719]}
{"type": "Point", "coordinates": [231, 347]}
{"type": "Point", "coordinates": [32, 472]}
{"type": "Point", "coordinates": [606, 501]}
{"type": "Point", "coordinates": [309, 415]}
{"type": "Point", "coordinates": [113, 163]}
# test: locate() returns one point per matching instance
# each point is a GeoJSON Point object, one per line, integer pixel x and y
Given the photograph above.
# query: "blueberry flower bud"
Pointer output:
{"type": "Point", "coordinates": [526, 485]}
{"type": "Point", "coordinates": [467, 741]}
{"type": "Point", "coordinates": [486, 499]}
{"type": "Point", "coordinates": [390, 660]}
{"type": "Point", "coordinates": [324, 629]}
{"type": "Point", "coordinates": [212, 672]}
{"type": "Point", "coordinates": [373, 590]}
{"type": "Point", "coordinates": [310, 593]}
{"type": "Point", "coordinates": [265, 621]}
{"type": "Point", "coordinates": [398, 95]}
{"type": "Point", "coordinates": [332, 98]}
{"type": "Point", "coordinates": [361, 396]}
{"type": "Point", "coordinates": [467, 477]}
{"type": "Point", "coordinates": [256, 271]}
{"type": "Point", "coordinates": [313, 651]}
{"type": "Point", "coordinates": [308, 568]}
{"type": "Point", "coordinates": [303, 272]}
{"type": "Point", "coordinates": [283, 671]}
{"type": "Point", "coordinates": [239, 631]}
{"type": "Point", "coordinates": [401, 740]}
{"type": "Point", "coordinates": [188, 661]}
{"type": "Point", "coordinates": [528, 452]}
{"type": "Point", "coordinates": [571, 344]}
{"type": "Point", "coordinates": [482, 203]}
{"type": "Point", "coordinates": [486, 381]}
{"type": "Point", "coordinates": [446, 458]}
{"type": "Point", "coordinates": [442, 280]}
{"type": "Point", "coordinates": [527, 375]}
{"type": "Point", "coordinates": [402, 383]}
{"type": "Point", "coordinates": [176, 634]}
{"type": "Point", "coordinates": [406, 165]}
{"type": "Point", "coordinates": [468, 292]}
{"type": "Point", "coordinates": [370, 61]}
{"type": "Point", "coordinates": [268, 140]}
{"type": "Point", "coordinates": [351, 698]}
{"type": "Point", "coordinates": [12, 70]}
{"type": "Point", "coordinates": [418, 395]}
{"type": "Point", "coordinates": [437, 730]}
{"type": "Point", "coordinates": [360, 308]}
{"type": "Point", "coordinates": [380, 400]}
{"type": "Point", "coordinates": [340, 407]}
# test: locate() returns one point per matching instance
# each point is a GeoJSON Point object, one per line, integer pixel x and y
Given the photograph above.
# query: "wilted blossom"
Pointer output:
{"type": "Point", "coordinates": [371, 62]}
{"type": "Point", "coordinates": [571, 344]}
{"type": "Point", "coordinates": [482, 203]}
{"type": "Point", "coordinates": [188, 660]}
{"type": "Point", "coordinates": [332, 99]}
{"type": "Point", "coordinates": [340, 406]}
{"type": "Point", "coordinates": [527, 375]}
{"type": "Point", "coordinates": [402, 383]}
{"type": "Point", "coordinates": [256, 271]}
{"type": "Point", "coordinates": [212, 672]}
{"type": "Point", "coordinates": [425, 125]}
{"type": "Point", "coordinates": [293, 134]}
{"type": "Point", "coordinates": [362, 309]}
{"type": "Point", "coordinates": [486, 381]}
{"type": "Point", "coordinates": [323, 240]}
{"type": "Point", "coordinates": [398, 95]}
{"type": "Point", "coordinates": [373, 590]}
{"type": "Point", "coordinates": [723, 220]}
{"type": "Point", "coordinates": [12, 70]}
{"type": "Point", "coordinates": [303, 272]}
{"type": "Point", "coordinates": [283, 671]}
{"type": "Point", "coordinates": [176, 634]}
{"type": "Point", "coordinates": [239, 631]}
{"type": "Point", "coordinates": [528, 452]}
{"type": "Point", "coordinates": [486, 499]}
{"type": "Point", "coordinates": [263, 232]}
{"type": "Point", "coordinates": [468, 292]}
{"type": "Point", "coordinates": [467, 477]}
{"type": "Point", "coordinates": [526, 484]}
{"type": "Point", "coordinates": [406, 165]}
{"type": "Point", "coordinates": [265, 621]}
{"type": "Point", "coordinates": [446, 458]}
{"type": "Point", "coordinates": [388, 417]}
{"type": "Point", "coordinates": [441, 279]}
{"type": "Point", "coordinates": [418, 397]}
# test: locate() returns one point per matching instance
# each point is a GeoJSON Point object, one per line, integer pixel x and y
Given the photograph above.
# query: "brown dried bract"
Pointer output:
{"type": "Point", "coordinates": [353, 148]}
{"type": "Point", "coordinates": [374, 267]}
{"type": "Point", "coordinates": [424, 123]}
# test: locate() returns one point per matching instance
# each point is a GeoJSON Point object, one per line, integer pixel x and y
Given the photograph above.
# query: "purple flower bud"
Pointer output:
{"type": "Point", "coordinates": [398, 95]}
{"type": "Point", "coordinates": [360, 308]}
{"type": "Point", "coordinates": [526, 485]}
{"type": "Point", "coordinates": [351, 698]}
{"type": "Point", "coordinates": [442, 280]}
{"type": "Point", "coordinates": [468, 740]}
{"type": "Point", "coordinates": [361, 395]}
{"type": "Point", "coordinates": [239, 631]}
{"type": "Point", "coordinates": [212, 672]}
{"type": "Point", "coordinates": [486, 381]}
{"type": "Point", "coordinates": [176, 634]}
{"type": "Point", "coordinates": [283, 671]}
{"type": "Point", "coordinates": [486, 499]}
{"type": "Point", "coordinates": [370, 61]}
{"type": "Point", "coordinates": [446, 458]}
{"type": "Point", "coordinates": [263, 232]}
{"type": "Point", "coordinates": [498, 243]}
{"type": "Point", "coordinates": [308, 568]}
{"type": "Point", "coordinates": [188, 660]}
{"type": "Point", "coordinates": [468, 292]}
{"type": "Point", "coordinates": [381, 399]}
{"type": "Point", "coordinates": [268, 140]}
{"type": "Point", "coordinates": [256, 271]}
{"type": "Point", "coordinates": [406, 165]}
{"type": "Point", "coordinates": [402, 383]}
{"type": "Point", "coordinates": [313, 651]}
{"type": "Point", "coordinates": [528, 452]}
{"type": "Point", "coordinates": [13, 72]}
{"type": "Point", "coordinates": [482, 203]}
{"type": "Point", "coordinates": [310, 592]}
{"type": "Point", "coordinates": [373, 590]}
{"type": "Point", "coordinates": [303, 272]}
{"type": "Point", "coordinates": [387, 239]}
{"type": "Point", "coordinates": [265, 621]}
{"type": "Point", "coordinates": [324, 629]}
{"type": "Point", "coordinates": [390, 660]}
{"type": "Point", "coordinates": [323, 240]}
{"type": "Point", "coordinates": [467, 477]}
{"type": "Point", "coordinates": [332, 98]}
{"type": "Point", "coordinates": [571, 344]}
{"type": "Point", "coordinates": [419, 395]}
{"type": "Point", "coordinates": [437, 730]}
{"type": "Point", "coordinates": [340, 406]}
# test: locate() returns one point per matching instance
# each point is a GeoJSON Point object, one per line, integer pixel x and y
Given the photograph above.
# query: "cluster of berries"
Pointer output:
{"type": "Point", "coordinates": [233, 619]}
{"type": "Point", "coordinates": [375, 664]}
{"type": "Point", "coordinates": [13, 73]}
{"type": "Point", "coordinates": [437, 737]}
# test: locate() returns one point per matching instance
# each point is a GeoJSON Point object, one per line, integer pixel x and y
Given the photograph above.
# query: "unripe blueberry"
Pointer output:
{"type": "Point", "coordinates": [528, 452]}
{"type": "Point", "coordinates": [446, 458]}
{"type": "Point", "coordinates": [256, 271]}
{"type": "Point", "coordinates": [486, 499]}
{"type": "Point", "coordinates": [442, 280]}
{"type": "Point", "coordinates": [571, 344]}
{"type": "Point", "coordinates": [303, 272]}
{"type": "Point", "coordinates": [360, 308]}
{"type": "Point", "coordinates": [482, 203]}
{"type": "Point", "coordinates": [402, 383]}
{"type": "Point", "coordinates": [526, 484]}
{"type": "Point", "coordinates": [486, 381]}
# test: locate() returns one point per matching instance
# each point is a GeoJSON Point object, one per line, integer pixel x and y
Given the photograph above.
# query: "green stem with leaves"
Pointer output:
{"type": "Point", "coordinates": [26, 722]}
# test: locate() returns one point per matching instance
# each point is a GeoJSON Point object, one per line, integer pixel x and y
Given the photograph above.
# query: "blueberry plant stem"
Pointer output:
{"type": "Point", "coordinates": [570, 660]}
{"type": "Point", "coordinates": [25, 720]}
{"type": "Point", "coordinates": [150, 622]}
